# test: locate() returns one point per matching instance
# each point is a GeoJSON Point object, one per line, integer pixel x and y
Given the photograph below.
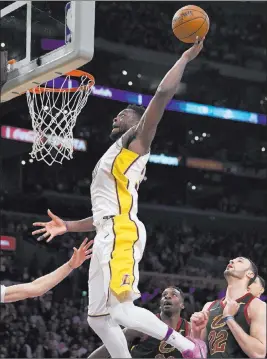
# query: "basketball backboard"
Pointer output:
{"type": "Point", "coordinates": [46, 39]}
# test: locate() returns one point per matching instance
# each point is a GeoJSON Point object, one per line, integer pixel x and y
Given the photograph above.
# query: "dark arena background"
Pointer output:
{"type": "Point", "coordinates": [204, 197]}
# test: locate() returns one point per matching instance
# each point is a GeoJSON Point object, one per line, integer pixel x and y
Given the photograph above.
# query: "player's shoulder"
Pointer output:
{"type": "Point", "coordinates": [257, 304]}
{"type": "Point", "coordinates": [208, 305]}
{"type": "Point", "coordinates": [112, 151]}
{"type": "Point", "coordinates": [256, 307]}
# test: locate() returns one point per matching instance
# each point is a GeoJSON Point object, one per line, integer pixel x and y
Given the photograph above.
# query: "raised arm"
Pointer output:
{"type": "Point", "coordinates": [57, 227]}
{"type": "Point", "coordinates": [147, 126]}
{"type": "Point", "coordinates": [130, 335]}
{"type": "Point", "coordinates": [43, 284]}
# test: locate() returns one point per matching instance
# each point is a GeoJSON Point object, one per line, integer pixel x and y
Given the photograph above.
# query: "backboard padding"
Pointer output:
{"type": "Point", "coordinates": [79, 51]}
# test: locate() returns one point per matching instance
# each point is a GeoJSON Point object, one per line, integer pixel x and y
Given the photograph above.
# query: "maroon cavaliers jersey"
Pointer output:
{"type": "Point", "coordinates": [148, 347]}
{"type": "Point", "coordinates": [221, 342]}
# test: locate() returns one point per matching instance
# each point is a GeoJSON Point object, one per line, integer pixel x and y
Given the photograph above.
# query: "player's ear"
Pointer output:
{"type": "Point", "coordinates": [182, 306]}
{"type": "Point", "coordinates": [250, 274]}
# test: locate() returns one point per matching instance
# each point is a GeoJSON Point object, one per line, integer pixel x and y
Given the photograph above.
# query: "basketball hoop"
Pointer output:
{"type": "Point", "coordinates": [54, 107]}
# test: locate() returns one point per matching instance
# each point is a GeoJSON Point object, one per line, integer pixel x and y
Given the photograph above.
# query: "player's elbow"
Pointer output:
{"type": "Point", "coordinates": [166, 91]}
{"type": "Point", "coordinates": [258, 353]}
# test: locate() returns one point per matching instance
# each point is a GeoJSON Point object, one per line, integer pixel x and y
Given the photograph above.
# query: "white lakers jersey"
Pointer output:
{"type": "Point", "coordinates": [115, 182]}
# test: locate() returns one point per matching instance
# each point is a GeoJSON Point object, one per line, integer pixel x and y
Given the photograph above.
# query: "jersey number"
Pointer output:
{"type": "Point", "coordinates": [217, 341]}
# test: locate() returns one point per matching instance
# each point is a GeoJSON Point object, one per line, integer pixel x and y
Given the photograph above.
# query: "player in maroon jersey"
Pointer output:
{"type": "Point", "coordinates": [144, 346]}
{"type": "Point", "coordinates": [234, 327]}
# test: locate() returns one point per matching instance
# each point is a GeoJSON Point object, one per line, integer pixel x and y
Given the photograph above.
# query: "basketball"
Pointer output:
{"type": "Point", "coordinates": [189, 22]}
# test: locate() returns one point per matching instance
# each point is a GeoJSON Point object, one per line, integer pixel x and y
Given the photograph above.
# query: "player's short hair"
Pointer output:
{"type": "Point", "coordinates": [179, 290]}
{"type": "Point", "coordinates": [139, 110]}
{"type": "Point", "coordinates": [262, 282]}
{"type": "Point", "coordinates": [254, 269]}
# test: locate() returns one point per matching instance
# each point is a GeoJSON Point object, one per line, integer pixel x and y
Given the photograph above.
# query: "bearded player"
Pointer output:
{"type": "Point", "coordinates": [143, 346]}
{"type": "Point", "coordinates": [234, 327]}
{"type": "Point", "coordinates": [121, 237]}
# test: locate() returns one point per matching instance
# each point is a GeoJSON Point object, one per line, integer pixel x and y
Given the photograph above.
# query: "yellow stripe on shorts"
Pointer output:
{"type": "Point", "coordinates": [125, 229]}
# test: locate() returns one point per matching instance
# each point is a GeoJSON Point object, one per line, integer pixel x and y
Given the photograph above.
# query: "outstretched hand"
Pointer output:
{"type": "Point", "coordinates": [50, 229]}
{"type": "Point", "coordinates": [194, 50]}
{"type": "Point", "coordinates": [81, 254]}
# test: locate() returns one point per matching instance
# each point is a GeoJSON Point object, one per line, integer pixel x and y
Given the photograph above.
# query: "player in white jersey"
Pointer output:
{"type": "Point", "coordinates": [120, 236]}
{"type": "Point", "coordinates": [43, 284]}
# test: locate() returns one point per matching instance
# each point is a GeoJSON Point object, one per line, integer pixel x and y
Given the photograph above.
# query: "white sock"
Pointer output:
{"type": "Point", "coordinates": [140, 319]}
{"type": "Point", "coordinates": [180, 342]}
{"type": "Point", "coordinates": [111, 335]}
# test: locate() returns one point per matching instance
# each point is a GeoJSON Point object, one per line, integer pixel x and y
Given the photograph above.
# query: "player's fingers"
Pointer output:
{"type": "Point", "coordinates": [196, 321]}
{"type": "Point", "coordinates": [38, 231]}
{"type": "Point", "coordinates": [198, 314]}
{"type": "Point", "coordinates": [206, 316]}
{"type": "Point", "coordinates": [200, 46]}
{"type": "Point", "coordinates": [51, 215]}
{"type": "Point", "coordinates": [194, 315]}
{"type": "Point", "coordinates": [84, 243]}
{"type": "Point", "coordinates": [88, 257]}
{"type": "Point", "coordinates": [45, 235]}
{"type": "Point", "coordinates": [194, 318]}
{"type": "Point", "coordinates": [50, 237]}
{"type": "Point", "coordinates": [39, 224]}
{"type": "Point", "coordinates": [75, 249]}
{"type": "Point", "coordinates": [198, 317]}
{"type": "Point", "coordinates": [88, 252]}
{"type": "Point", "coordinates": [89, 244]}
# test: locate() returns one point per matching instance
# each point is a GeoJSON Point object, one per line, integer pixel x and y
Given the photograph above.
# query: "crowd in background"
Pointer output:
{"type": "Point", "coordinates": [46, 328]}
{"type": "Point", "coordinates": [179, 248]}
{"type": "Point", "coordinates": [179, 136]}
{"type": "Point", "coordinates": [146, 25]}
{"type": "Point", "coordinates": [235, 38]}
{"type": "Point", "coordinates": [55, 325]}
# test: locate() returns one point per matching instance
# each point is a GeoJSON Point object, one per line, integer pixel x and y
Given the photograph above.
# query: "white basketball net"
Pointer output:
{"type": "Point", "coordinates": [54, 116]}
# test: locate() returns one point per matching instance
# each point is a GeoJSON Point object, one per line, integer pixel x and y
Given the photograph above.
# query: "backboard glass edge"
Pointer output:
{"type": "Point", "coordinates": [32, 74]}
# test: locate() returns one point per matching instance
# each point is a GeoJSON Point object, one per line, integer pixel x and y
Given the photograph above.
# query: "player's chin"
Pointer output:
{"type": "Point", "coordinates": [115, 134]}
{"type": "Point", "coordinates": [228, 272]}
{"type": "Point", "coordinates": [167, 310]}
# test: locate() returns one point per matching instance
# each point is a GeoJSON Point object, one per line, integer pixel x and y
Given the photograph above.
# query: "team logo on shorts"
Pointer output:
{"type": "Point", "coordinates": [125, 280]}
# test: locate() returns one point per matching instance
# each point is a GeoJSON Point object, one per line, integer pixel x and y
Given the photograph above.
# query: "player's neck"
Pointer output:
{"type": "Point", "coordinates": [235, 291]}
{"type": "Point", "coordinates": [171, 321]}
